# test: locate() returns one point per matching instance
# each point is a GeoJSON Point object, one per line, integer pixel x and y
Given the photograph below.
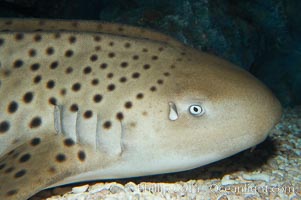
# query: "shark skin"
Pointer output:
{"type": "Point", "coordinates": [83, 100]}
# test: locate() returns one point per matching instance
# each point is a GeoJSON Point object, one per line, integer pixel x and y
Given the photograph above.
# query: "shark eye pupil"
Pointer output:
{"type": "Point", "coordinates": [196, 110]}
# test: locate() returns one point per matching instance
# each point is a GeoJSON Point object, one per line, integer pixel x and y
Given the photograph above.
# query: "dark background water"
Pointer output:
{"type": "Point", "coordinates": [263, 37]}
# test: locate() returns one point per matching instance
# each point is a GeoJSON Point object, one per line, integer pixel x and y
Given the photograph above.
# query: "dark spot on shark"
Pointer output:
{"type": "Point", "coordinates": [139, 96]}
{"type": "Point", "coordinates": [24, 158]}
{"type": "Point", "coordinates": [160, 81]}
{"type": "Point", "coordinates": [1, 41]}
{"type": "Point", "coordinates": [166, 74]}
{"type": "Point", "coordinates": [111, 87]}
{"type": "Point", "coordinates": [69, 53]}
{"type": "Point", "coordinates": [69, 142]}
{"type": "Point", "coordinates": [52, 170]}
{"type": "Point", "coordinates": [172, 66]}
{"type": "Point", "coordinates": [28, 96]}
{"type": "Point", "coordinates": [119, 116]}
{"type": "Point", "coordinates": [135, 57]}
{"type": "Point", "coordinates": [69, 70]}
{"type": "Point", "coordinates": [110, 75]}
{"type": "Point", "coordinates": [37, 79]}
{"type": "Point", "coordinates": [76, 87]}
{"type": "Point", "coordinates": [32, 52]}
{"type": "Point", "coordinates": [12, 107]}
{"type": "Point", "coordinates": [35, 122]}
{"type": "Point", "coordinates": [50, 84]}
{"type": "Point", "coordinates": [20, 173]}
{"type": "Point", "coordinates": [97, 48]}
{"type": "Point", "coordinates": [54, 65]}
{"type": "Point", "coordinates": [18, 63]}
{"type": "Point", "coordinates": [111, 55]}
{"type": "Point", "coordinates": [37, 38]}
{"type": "Point", "coordinates": [135, 75]}
{"type": "Point", "coordinates": [72, 39]}
{"type": "Point", "coordinates": [93, 58]}
{"type": "Point", "coordinates": [74, 108]}
{"type": "Point", "coordinates": [19, 36]}
{"type": "Point", "coordinates": [60, 157]}
{"type": "Point", "coordinates": [35, 67]}
{"type": "Point", "coordinates": [128, 104]}
{"type": "Point", "coordinates": [103, 65]}
{"type": "Point", "coordinates": [122, 79]}
{"type": "Point", "coordinates": [52, 101]}
{"type": "Point", "coordinates": [97, 38]}
{"type": "Point", "coordinates": [4, 126]}
{"type": "Point", "coordinates": [133, 124]}
{"type": "Point", "coordinates": [11, 193]}
{"type": "Point", "coordinates": [154, 57]}
{"type": "Point", "coordinates": [87, 70]}
{"type": "Point", "coordinates": [57, 35]}
{"type": "Point", "coordinates": [81, 155]}
{"type": "Point", "coordinates": [107, 125]}
{"type": "Point", "coordinates": [63, 92]}
{"type": "Point", "coordinates": [6, 72]}
{"type": "Point", "coordinates": [9, 170]}
{"type": "Point", "coordinates": [127, 45]}
{"type": "Point", "coordinates": [88, 114]}
{"type": "Point", "coordinates": [2, 166]}
{"type": "Point", "coordinates": [95, 81]}
{"type": "Point", "coordinates": [97, 98]}
{"type": "Point", "coordinates": [153, 88]}
{"type": "Point", "coordinates": [124, 64]}
{"type": "Point", "coordinates": [50, 51]}
{"type": "Point", "coordinates": [35, 141]}
{"type": "Point", "coordinates": [146, 66]}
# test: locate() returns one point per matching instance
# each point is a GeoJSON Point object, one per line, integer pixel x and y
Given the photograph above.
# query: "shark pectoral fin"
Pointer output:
{"type": "Point", "coordinates": [43, 161]}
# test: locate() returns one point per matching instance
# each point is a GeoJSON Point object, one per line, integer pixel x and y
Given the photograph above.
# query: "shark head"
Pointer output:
{"type": "Point", "coordinates": [211, 110]}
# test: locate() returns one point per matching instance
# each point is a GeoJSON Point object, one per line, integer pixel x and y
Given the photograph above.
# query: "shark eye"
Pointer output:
{"type": "Point", "coordinates": [196, 110]}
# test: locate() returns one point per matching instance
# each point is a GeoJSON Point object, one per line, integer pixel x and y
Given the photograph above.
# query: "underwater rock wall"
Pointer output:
{"type": "Point", "coordinates": [262, 37]}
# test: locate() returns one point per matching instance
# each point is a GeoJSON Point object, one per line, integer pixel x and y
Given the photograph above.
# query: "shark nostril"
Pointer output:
{"type": "Point", "coordinates": [173, 113]}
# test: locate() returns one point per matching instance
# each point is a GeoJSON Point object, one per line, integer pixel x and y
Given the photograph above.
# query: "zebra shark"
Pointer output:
{"type": "Point", "coordinates": [83, 100]}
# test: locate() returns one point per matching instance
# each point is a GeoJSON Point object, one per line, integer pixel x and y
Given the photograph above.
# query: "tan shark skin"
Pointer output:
{"type": "Point", "coordinates": [86, 100]}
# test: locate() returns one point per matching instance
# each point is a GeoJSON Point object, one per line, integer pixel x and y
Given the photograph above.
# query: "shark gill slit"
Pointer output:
{"type": "Point", "coordinates": [98, 132]}
{"type": "Point", "coordinates": [60, 120]}
{"type": "Point", "coordinates": [78, 113]}
{"type": "Point", "coordinates": [57, 119]}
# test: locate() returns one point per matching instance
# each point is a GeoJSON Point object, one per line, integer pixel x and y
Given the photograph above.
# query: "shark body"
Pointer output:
{"type": "Point", "coordinates": [86, 100]}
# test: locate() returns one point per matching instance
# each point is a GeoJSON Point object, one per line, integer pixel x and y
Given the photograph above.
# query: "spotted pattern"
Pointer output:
{"type": "Point", "coordinates": [63, 68]}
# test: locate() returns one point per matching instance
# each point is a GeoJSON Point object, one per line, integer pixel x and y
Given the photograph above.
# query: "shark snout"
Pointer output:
{"type": "Point", "coordinates": [265, 110]}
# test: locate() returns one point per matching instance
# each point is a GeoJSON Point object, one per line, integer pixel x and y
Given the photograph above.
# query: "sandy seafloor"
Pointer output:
{"type": "Point", "coordinates": [270, 171]}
